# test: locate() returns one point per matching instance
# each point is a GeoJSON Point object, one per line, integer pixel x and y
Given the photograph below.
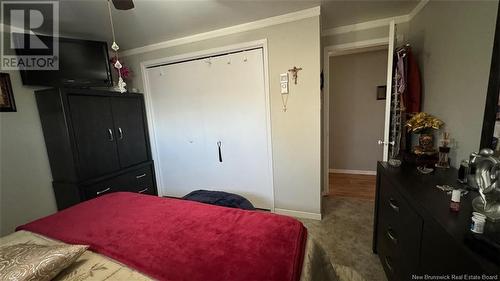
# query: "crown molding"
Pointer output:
{"type": "Point", "coordinates": [375, 23]}
{"type": "Point", "coordinates": [355, 47]}
{"type": "Point", "coordinates": [285, 18]}
{"type": "Point", "coordinates": [364, 25]}
{"type": "Point", "coordinates": [417, 8]}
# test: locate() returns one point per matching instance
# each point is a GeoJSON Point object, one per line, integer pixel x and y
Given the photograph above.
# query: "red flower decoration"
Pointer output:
{"type": "Point", "coordinates": [124, 71]}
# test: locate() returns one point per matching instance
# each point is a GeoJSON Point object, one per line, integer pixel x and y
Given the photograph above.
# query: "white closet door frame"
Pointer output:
{"type": "Point", "coordinates": [195, 55]}
{"type": "Point", "coordinates": [388, 95]}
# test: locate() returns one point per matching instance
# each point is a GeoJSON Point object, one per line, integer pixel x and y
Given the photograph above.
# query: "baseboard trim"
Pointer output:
{"type": "Point", "coordinates": [354, 172]}
{"type": "Point", "coordinates": [298, 214]}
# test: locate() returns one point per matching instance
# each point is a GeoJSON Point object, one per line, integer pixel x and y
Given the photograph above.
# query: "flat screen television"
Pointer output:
{"type": "Point", "coordinates": [82, 63]}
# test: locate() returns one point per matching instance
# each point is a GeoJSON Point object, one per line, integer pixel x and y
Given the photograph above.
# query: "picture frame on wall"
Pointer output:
{"type": "Point", "coordinates": [7, 103]}
{"type": "Point", "coordinates": [381, 91]}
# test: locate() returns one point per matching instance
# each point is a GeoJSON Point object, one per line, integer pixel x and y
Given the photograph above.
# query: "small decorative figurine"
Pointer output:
{"type": "Point", "coordinates": [444, 150]}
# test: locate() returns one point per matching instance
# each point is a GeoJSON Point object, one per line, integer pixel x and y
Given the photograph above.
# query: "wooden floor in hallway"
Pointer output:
{"type": "Point", "coordinates": [353, 186]}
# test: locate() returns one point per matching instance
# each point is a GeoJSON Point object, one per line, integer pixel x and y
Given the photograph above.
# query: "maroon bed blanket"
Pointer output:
{"type": "Point", "coordinates": [171, 239]}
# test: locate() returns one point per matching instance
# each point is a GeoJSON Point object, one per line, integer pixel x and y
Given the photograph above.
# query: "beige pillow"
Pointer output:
{"type": "Point", "coordinates": [28, 261]}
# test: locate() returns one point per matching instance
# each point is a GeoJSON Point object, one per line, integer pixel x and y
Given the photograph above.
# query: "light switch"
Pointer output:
{"type": "Point", "coordinates": [284, 83]}
{"type": "Point", "coordinates": [284, 77]}
{"type": "Point", "coordinates": [284, 88]}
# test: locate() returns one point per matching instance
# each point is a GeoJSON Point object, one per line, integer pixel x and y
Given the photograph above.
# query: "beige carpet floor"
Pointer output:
{"type": "Point", "coordinates": [346, 234]}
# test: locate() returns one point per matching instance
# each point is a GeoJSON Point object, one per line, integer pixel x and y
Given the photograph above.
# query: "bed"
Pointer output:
{"type": "Point", "coordinates": [141, 237]}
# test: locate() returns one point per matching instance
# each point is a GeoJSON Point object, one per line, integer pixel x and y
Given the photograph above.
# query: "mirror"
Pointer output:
{"type": "Point", "coordinates": [491, 124]}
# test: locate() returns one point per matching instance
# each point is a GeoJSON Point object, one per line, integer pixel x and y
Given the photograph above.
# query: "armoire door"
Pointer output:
{"type": "Point", "coordinates": [130, 131]}
{"type": "Point", "coordinates": [93, 128]}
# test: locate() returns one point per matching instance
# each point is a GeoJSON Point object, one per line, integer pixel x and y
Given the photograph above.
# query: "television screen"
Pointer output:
{"type": "Point", "coordinates": [81, 63]}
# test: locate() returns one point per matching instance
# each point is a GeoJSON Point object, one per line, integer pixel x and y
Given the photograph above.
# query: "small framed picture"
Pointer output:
{"type": "Point", "coordinates": [7, 103]}
{"type": "Point", "coordinates": [381, 92]}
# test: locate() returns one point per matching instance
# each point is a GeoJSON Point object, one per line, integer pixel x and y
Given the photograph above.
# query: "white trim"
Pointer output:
{"type": "Point", "coordinates": [205, 53]}
{"type": "Point", "coordinates": [388, 92]}
{"type": "Point", "coordinates": [298, 214]}
{"type": "Point", "coordinates": [417, 9]}
{"type": "Point", "coordinates": [152, 134]}
{"type": "Point", "coordinates": [364, 25]}
{"type": "Point", "coordinates": [290, 17]}
{"type": "Point", "coordinates": [353, 172]}
{"type": "Point", "coordinates": [358, 46]}
{"type": "Point", "coordinates": [375, 23]}
{"type": "Point", "coordinates": [325, 189]}
{"type": "Point", "coordinates": [188, 56]}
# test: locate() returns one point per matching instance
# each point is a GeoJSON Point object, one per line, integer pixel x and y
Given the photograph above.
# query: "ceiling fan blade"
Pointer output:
{"type": "Point", "coordinates": [123, 4]}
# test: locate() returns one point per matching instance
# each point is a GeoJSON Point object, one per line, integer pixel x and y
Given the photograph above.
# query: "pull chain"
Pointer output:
{"type": "Point", "coordinates": [284, 101]}
{"type": "Point", "coordinates": [115, 47]}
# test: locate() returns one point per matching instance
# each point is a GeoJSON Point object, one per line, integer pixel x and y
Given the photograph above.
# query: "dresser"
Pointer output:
{"type": "Point", "coordinates": [97, 143]}
{"type": "Point", "coordinates": [415, 233]}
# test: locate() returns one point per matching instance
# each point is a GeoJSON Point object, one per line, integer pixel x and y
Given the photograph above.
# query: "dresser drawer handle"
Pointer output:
{"type": "Point", "coordinates": [392, 236]}
{"type": "Point", "coordinates": [103, 191]}
{"type": "Point", "coordinates": [140, 176]}
{"type": "Point", "coordinates": [388, 263]}
{"type": "Point", "coordinates": [394, 205]}
{"type": "Point", "coordinates": [144, 190]}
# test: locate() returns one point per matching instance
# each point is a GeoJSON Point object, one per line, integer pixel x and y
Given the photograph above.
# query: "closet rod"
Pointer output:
{"type": "Point", "coordinates": [204, 57]}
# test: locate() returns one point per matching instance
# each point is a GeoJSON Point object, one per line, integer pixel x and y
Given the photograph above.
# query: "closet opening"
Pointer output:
{"type": "Point", "coordinates": [210, 122]}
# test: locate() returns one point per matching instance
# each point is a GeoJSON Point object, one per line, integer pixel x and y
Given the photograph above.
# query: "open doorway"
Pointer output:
{"type": "Point", "coordinates": [353, 123]}
{"type": "Point", "coordinates": [354, 132]}
{"type": "Point", "coordinates": [356, 120]}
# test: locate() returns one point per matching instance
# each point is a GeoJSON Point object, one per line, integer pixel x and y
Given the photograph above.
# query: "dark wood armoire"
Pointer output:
{"type": "Point", "coordinates": [97, 142]}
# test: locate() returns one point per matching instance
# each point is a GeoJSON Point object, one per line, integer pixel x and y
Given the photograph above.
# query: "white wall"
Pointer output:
{"type": "Point", "coordinates": [453, 43]}
{"type": "Point", "coordinates": [25, 179]}
{"type": "Point", "coordinates": [295, 133]}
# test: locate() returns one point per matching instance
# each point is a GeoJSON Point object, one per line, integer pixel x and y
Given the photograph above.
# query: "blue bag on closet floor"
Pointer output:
{"type": "Point", "coordinates": [220, 198]}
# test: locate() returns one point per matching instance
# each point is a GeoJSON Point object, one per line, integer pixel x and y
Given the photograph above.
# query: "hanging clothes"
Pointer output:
{"type": "Point", "coordinates": [407, 76]}
{"type": "Point", "coordinates": [413, 96]}
{"type": "Point", "coordinates": [406, 95]}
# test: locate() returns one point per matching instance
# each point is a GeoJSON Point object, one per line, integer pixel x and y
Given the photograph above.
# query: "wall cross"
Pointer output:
{"type": "Point", "coordinates": [295, 71]}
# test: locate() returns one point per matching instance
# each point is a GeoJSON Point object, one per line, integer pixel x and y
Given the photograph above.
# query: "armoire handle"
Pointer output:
{"type": "Point", "coordinates": [110, 133]}
{"type": "Point", "coordinates": [120, 133]}
{"type": "Point", "coordinates": [103, 191]}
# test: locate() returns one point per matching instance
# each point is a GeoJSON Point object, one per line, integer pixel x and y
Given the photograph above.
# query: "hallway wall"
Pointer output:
{"type": "Point", "coordinates": [356, 116]}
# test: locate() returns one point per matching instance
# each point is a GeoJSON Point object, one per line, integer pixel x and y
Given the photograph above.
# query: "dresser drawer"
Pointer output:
{"type": "Point", "coordinates": [104, 187]}
{"type": "Point", "coordinates": [141, 181]}
{"type": "Point", "coordinates": [399, 232]}
{"type": "Point", "coordinates": [389, 257]}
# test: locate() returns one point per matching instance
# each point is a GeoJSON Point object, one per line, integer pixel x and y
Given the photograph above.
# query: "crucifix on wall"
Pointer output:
{"type": "Point", "coordinates": [295, 71]}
